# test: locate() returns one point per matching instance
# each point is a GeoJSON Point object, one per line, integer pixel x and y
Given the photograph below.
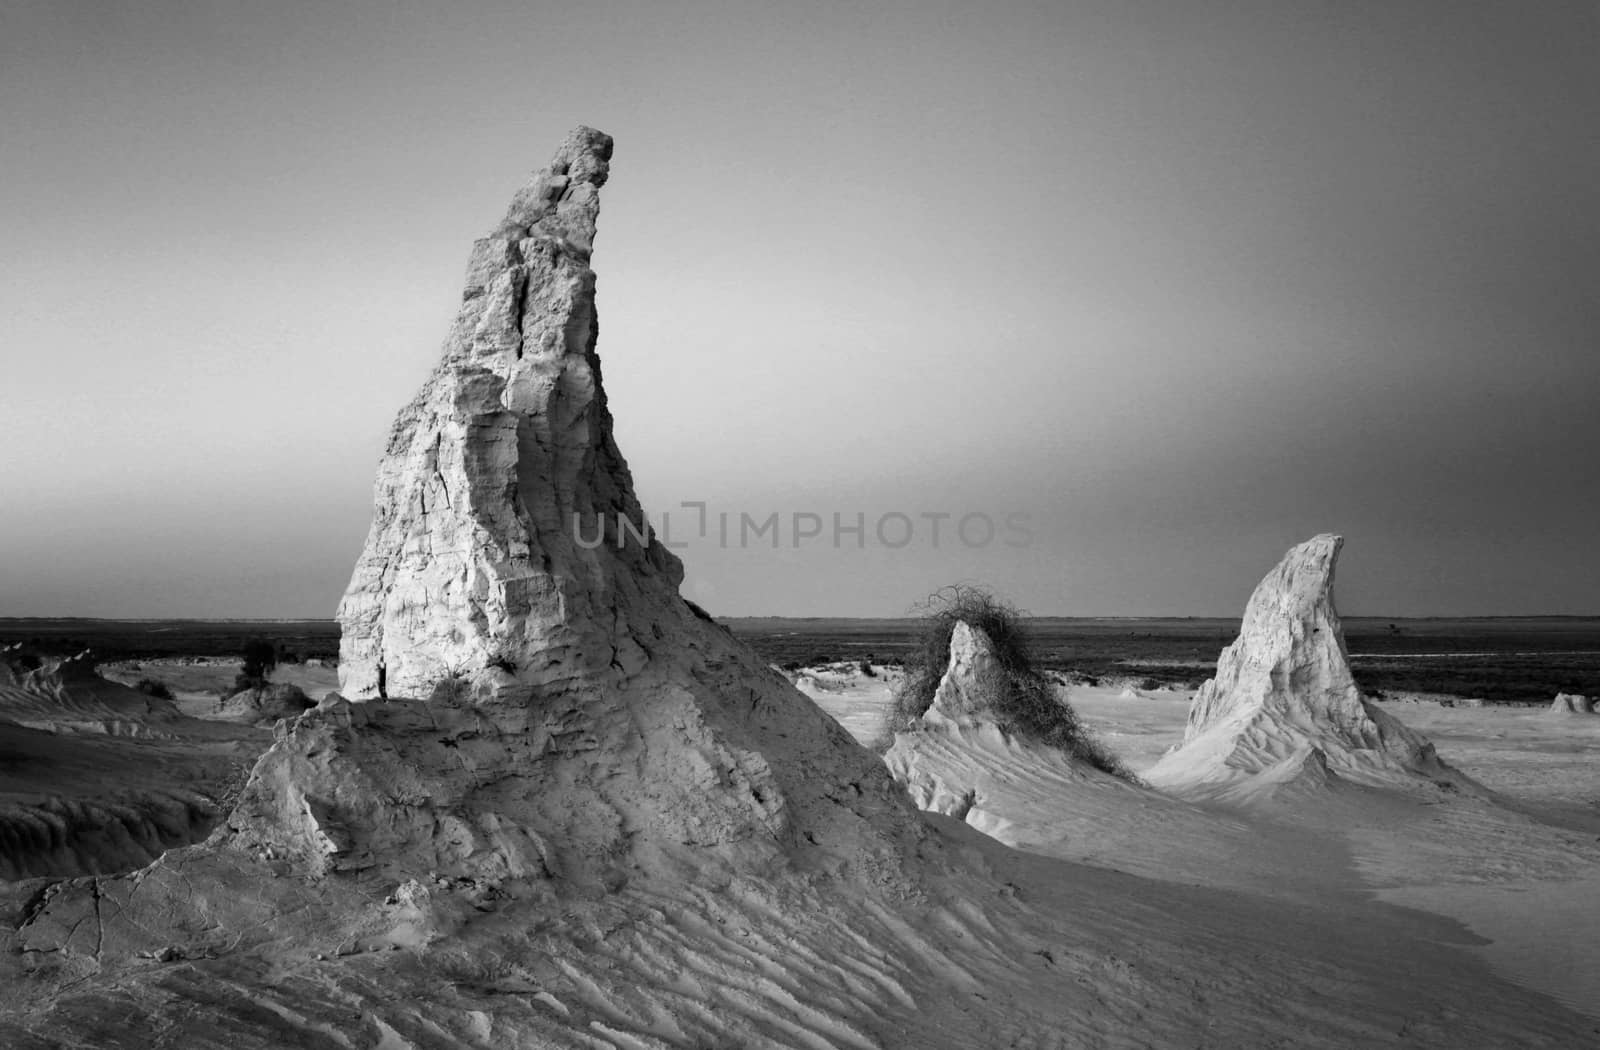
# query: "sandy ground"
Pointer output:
{"type": "Point", "coordinates": [1122, 918]}
{"type": "Point", "coordinates": [98, 777]}
{"type": "Point", "coordinates": [1512, 877]}
{"type": "Point", "coordinates": [197, 681]}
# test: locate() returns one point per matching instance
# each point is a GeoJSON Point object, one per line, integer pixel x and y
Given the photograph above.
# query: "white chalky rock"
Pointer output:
{"type": "Point", "coordinates": [1284, 708]}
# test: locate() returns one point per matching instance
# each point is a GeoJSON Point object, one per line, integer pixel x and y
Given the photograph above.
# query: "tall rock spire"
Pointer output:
{"type": "Point", "coordinates": [482, 564]}
{"type": "Point", "coordinates": [509, 577]}
{"type": "Point", "coordinates": [1284, 705]}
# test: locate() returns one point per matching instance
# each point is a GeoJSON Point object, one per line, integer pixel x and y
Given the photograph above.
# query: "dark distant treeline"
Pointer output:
{"type": "Point", "coordinates": [153, 639]}
{"type": "Point", "coordinates": [1502, 660]}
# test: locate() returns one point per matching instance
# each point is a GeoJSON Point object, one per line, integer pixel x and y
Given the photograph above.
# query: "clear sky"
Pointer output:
{"type": "Point", "coordinates": [1183, 282]}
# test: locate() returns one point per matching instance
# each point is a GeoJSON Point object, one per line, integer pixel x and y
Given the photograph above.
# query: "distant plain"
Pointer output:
{"type": "Point", "coordinates": [1519, 660]}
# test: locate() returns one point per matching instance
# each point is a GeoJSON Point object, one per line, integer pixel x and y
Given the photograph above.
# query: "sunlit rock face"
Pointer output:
{"type": "Point", "coordinates": [1284, 706]}
{"type": "Point", "coordinates": [508, 580]}
{"type": "Point", "coordinates": [499, 553]}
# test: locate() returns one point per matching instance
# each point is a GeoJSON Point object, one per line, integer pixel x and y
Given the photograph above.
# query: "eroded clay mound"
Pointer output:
{"type": "Point", "coordinates": [958, 760]}
{"type": "Point", "coordinates": [65, 694]}
{"type": "Point", "coordinates": [1572, 704]}
{"type": "Point", "coordinates": [265, 704]}
{"type": "Point", "coordinates": [97, 777]}
{"type": "Point", "coordinates": [1284, 710]}
{"type": "Point", "coordinates": [55, 834]}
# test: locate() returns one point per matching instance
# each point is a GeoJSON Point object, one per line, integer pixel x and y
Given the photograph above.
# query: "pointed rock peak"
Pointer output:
{"type": "Point", "coordinates": [1291, 631]}
{"type": "Point", "coordinates": [526, 628]}
{"type": "Point", "coordinates": [1284, 688]}
{"type": "Point", "coordinates": [508, 550]}
{"type": "Point", "coordinates": [1299, 588]}
{"type": "Point", "coordinates": [966, 692]}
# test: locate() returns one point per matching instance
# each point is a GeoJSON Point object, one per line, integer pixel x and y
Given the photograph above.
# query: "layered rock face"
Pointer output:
{"type": "Point", "coordinates": [473, 570]}
{"type": "Point", "coordinates": [1284, 707]}
{"type": "Point", "coordinates": [96, 776]}
{"type": "Point", "coordinates": [508, 576]}
{"type": "Point", "coordinates": [66, 694]}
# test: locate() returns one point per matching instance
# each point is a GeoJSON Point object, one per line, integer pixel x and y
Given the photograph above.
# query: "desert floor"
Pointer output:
{"type": "Point", "coordinates": [1283, 920]}
{"type": "Point", "coordinates": [198, 684]}
{"type": "Point", "coordinates": [1514, 880]}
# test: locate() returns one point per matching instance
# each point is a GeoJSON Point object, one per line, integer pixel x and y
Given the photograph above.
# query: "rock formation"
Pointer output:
{"type": "Point", "coordinates": [265, 704]}
{"type": "Point", "coordinates": [526, 710]}
{"type": "Point", "coordinates": [1572, 704]}
{"type": "Point", "coordinates": [1284, 708]}
{"type": "Point", "coordinates": [965, 695]}
{"type": "Point", "coordinates": [510, 575]}
{"type": "Point", "coordinates": [482, 565]}
{"type": "Point", "coordinates": [66, 694]}
{"type": "Point", "coordinates": [958, 759]}
{"type": "Point", "coordinates": [99, 777]}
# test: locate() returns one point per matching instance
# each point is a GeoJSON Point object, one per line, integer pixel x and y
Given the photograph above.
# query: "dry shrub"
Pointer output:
{"type": "Point", "coordinates": [154, 687]}
{"type": "Point", "coordinates": [1024, 700]}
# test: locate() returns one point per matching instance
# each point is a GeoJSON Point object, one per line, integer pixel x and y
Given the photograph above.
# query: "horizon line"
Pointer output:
{"type": "Point", "coordinates": [780, 616]}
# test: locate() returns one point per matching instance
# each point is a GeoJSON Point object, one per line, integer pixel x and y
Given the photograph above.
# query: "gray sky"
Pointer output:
{"type": "Point", "coordinates": [1184, 282]}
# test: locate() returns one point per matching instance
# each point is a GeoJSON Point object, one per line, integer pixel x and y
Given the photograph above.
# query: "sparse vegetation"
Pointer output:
{"type": "Point", "coordinates": [154, 687]}
{"type": "Point", "coordinates": [1024, 698]}
{"type": "Point", "coordinates": [257, 660]}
